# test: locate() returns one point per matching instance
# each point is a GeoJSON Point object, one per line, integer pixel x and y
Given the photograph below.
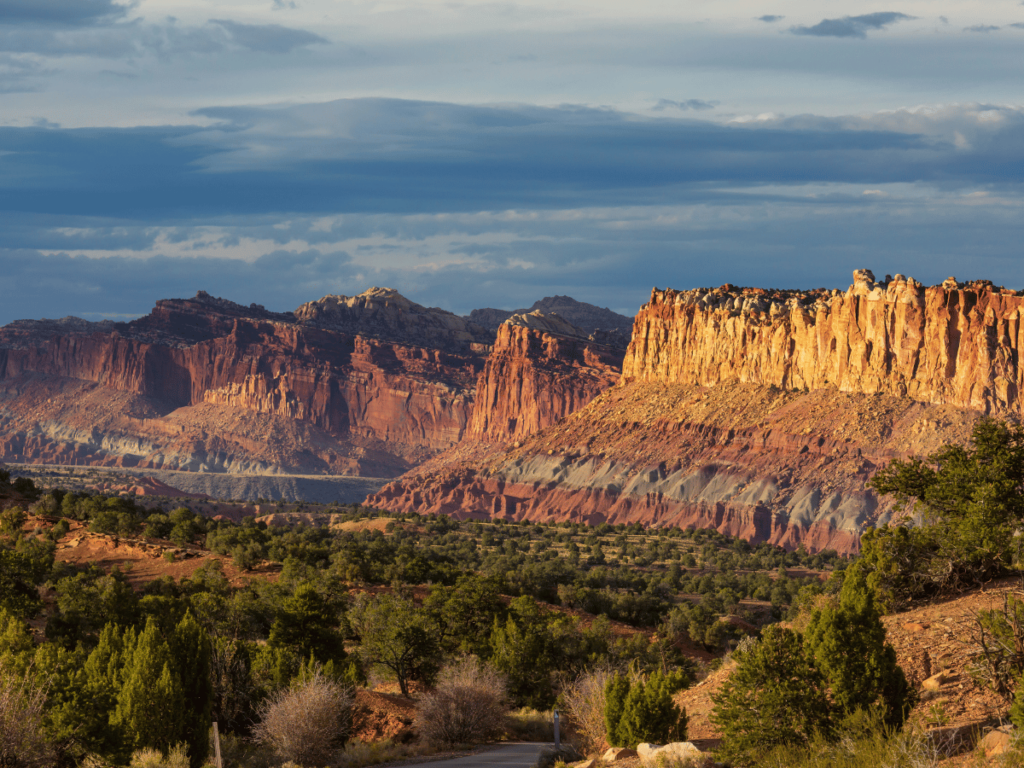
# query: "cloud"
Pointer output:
{"type": "Point", "coordinates": [268, 38]}
{"type": "Point", "coordinates": [18, 74]}
{"type": "Point", "coordinates": [851, 26]}
{"type": "Point", "coordinates": [694, 104]}
{"type": "Point", "coordinates": [64, 13]}
{"type": "Point", "coordinates": [1018, 24]}
{"type": "Point", "coordinates": [981, 28]}
{"type": "Point", "coordinates": [105, 287]}
{"type": "Point", "coordinates": [166, 40]}
{"type": "Point", "coordinates": [770, 18]}
{"type": "Point", "coordinates": [280, 5]}
{"type": "Point", "coordinates": [805, 236]}
{"type": "Point", "coordinates": [395, 156]}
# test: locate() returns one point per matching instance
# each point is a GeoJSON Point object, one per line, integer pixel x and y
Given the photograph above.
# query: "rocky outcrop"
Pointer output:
{"type": "Point", "coordinates": [752, 461]}
{"type": "Point", "coordinates": [377, 406]}
{"type": "Point", "coordinates": [952, 343]}
{"type": "Point", "coordinates": [540, 370]}
{"type": "Point", "coordinates": [385, 314]}
{"type": "Point", "coordinates": [759, 413]}
{"type": "Point", "coordinates": [368, 385]}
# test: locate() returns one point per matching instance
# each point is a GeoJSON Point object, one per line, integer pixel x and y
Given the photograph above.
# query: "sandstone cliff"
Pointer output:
{"type": "Point", "coordinates": [759, 413]}
{"type": "Point", "coordinates": [540, 370]}
{"type": "Point", "coordinates": [951, 343]}
{"type": "Point", "coordinates": [377, 406]}
{"type": "Point", "coordinates": [369, 385]}
{"type": "Point", "coordinates": [385, 314]}
{"type": "Point", "coordinates": [599, 324]}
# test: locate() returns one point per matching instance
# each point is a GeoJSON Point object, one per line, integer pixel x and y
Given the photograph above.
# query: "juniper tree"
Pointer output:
{"type": "Point", "coordinates": [775, 696]}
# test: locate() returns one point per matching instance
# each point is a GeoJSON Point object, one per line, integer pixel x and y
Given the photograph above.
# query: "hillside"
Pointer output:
{"type": "Point", "coordinates": [935, 638]}
{"type": "Point", "coordinates": [758, 413]}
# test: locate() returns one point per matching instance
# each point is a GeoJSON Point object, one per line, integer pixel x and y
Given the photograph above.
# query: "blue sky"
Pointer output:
{"type": "Point", "coordinates": [487, 154]}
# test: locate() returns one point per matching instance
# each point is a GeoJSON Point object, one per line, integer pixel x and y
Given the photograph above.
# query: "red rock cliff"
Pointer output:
{"type": "Point", "coordinates": [950, 344]}
{"type": "Point", "coordinates": [407, 401]}
{"type": "Point", "coordinates": [760, 413]}
{"type": "Point", "coordinates": [539, 371]}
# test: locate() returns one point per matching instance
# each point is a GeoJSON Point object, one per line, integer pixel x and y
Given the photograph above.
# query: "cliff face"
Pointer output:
{"type": "Point", "coordinates": [372, 385]}
{"type": "Point", "coordinates": [404, 403]}
{"type": "Point", "coordinates": [540, 370]}
{"type": "Point", "coordinates": [760, 413]}
{"type": "Point", "coordinates": [954, 344]}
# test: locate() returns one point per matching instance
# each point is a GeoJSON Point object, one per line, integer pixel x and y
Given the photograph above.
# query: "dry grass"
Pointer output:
{"type": "Point", "coordinates": [584, 706]}
{"type": "Point", "coordinates": [177, 757]}
{"type": "Point", "coordinates": [22, 741]}
{"type": "Point", "coordinates": [528, 724]}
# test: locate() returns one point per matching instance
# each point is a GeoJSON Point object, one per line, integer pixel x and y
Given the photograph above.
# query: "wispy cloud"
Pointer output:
{"type": "Point", "coordinates": [770, 18]}
{"type": "Point", "coordinates": [694, 104]}
{"type": "Point", "coordinates": [851, 26]}
{"type": "Point", "coordinates": [269, 38]}
{"type": "Point", "coordinates": [981, 28]}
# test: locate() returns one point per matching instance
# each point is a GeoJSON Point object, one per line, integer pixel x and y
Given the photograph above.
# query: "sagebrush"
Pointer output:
{"type": "Point", "coordinates": [307, 724]}
{"type": "Point", "coordinates": [467, 706]}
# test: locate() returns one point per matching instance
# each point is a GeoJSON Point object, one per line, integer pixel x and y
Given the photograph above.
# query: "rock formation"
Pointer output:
{"type": "Point", "coordinates": [540, 370]}
{"type": "Point", "coordinates": [759, 413]}
{"type": "Point", "coordinates": [366, 385]}
{"type": "Point", "coordinates": [194, 371]}
{"type": "Point", "coordinates": [600, 325]}
{"type": "Point", "coordinates": [950, 343]}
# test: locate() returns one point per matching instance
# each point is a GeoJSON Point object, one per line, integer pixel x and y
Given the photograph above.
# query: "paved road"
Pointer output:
{"type": "Point", "coordinates": [522, 755]}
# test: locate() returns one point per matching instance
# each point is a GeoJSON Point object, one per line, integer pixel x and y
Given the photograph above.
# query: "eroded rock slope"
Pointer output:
{"type": "Point", "coordinates": [762, 414]}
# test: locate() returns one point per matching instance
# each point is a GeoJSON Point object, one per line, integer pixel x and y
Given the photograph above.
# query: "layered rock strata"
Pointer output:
{"type": "Point", "coordinates": [752, 461]}
{"type": "Point", "coordinates": [366, 385]}
{"type": "Point", "coordinates": [759, 413]}
{"type": "Point", "coordinates": [374, 406]}
{"type": "Point", "coordinates": [599, 324]}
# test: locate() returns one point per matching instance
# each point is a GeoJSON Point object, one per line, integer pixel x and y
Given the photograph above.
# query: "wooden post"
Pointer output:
{"type": "Point", "coordinates": [216, 746]}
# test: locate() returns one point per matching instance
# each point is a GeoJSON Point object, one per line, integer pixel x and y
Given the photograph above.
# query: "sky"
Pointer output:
{"type": "Point", "coordinates": [487, 154]}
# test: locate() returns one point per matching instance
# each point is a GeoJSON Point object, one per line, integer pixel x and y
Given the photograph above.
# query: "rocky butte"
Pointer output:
{"type": "Point", "coordinates": [368, 385]}
{"type": "Point", "coordinates": [761, 413]}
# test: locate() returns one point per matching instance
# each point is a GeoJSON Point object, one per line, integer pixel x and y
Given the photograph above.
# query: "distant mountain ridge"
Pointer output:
{"type": "Point", "coordinates": [587, 317]}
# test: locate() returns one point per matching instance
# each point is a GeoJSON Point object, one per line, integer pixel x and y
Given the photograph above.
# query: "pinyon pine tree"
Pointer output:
{"type": "Point", "coordinates": [847, 645]}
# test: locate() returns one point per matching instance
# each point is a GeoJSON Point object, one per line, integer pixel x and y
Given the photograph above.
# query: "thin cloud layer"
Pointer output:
{"type": "Point", "coordinates": [851, 26]}
{"type": "Point", "coordinates": [269, 38]}
{"type": "Point", "coordinates": [64, 13]}
{"type": "Point", "coordinates": [698, 105]}
{"type": "Point", "coordinates": [396, 156]}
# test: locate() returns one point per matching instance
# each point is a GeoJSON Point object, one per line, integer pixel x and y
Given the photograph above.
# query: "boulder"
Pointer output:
{"type": "Point", "coordinates": [615, 754]}
{"type": "Point", "coordinates": [939, 679]}
{"type": "Point", "coordinates": [996, 742]}
{"type": "Point", "coordinates": [676, 751]}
